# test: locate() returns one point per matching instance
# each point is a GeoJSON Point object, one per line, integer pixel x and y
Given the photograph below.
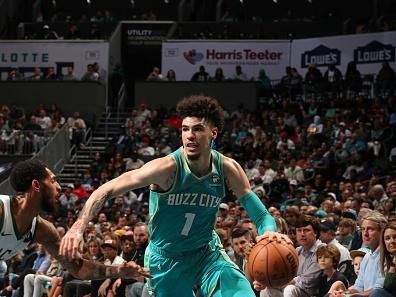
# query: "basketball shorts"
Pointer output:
{"type": "Point", "coordinates": [209, 269]}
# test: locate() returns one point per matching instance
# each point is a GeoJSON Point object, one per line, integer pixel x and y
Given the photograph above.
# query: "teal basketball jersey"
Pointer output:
{"type": "Point", "coordinates": [182, 219]}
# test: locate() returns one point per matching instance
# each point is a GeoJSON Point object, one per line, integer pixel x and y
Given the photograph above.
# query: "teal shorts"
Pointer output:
{"type": "Point", "coordinates": [209, 269]}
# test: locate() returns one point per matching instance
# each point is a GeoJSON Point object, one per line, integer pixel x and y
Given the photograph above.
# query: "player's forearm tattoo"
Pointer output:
{"type": "Point", "coordinates": [88, 270]}
{"type": "Point", "coordinates": [93, 207]}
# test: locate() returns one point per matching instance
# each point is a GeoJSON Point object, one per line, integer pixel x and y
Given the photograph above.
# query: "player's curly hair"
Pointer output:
{"type": "Point", "coordinates": [201, 106]}
{"type": "Point", "coordinates": [24, 172]}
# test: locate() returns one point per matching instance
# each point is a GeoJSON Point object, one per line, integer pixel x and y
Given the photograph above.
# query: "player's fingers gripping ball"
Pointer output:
{"type": "Point", "coordinates": [273, 263]}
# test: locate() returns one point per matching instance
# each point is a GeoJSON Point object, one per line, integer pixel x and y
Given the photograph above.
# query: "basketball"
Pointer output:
{"type": "Point", "coordinates": [272, 263]}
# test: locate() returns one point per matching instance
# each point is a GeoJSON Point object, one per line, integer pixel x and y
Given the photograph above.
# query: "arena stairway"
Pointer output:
{"type": "Point", "coordinates": [97, 140]}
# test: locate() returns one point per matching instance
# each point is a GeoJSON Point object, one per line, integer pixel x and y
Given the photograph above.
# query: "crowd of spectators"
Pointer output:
{"type": "Point", "coordinates": [93, 73]}
{"type": "Point", "coordinates": [320, 166]}
{"type": "Point", "coordinates": [325, 164]}
{"type": "Point", "coordinates": [26, 133]}
{"type": "Point", "coordinates": [315, 83]}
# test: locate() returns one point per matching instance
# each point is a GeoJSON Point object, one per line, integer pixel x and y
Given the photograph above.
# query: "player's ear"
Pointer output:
{"type": "Point", "coordinates": [36, 185]}
{"type": "Point", "coordinates": [215, 131]}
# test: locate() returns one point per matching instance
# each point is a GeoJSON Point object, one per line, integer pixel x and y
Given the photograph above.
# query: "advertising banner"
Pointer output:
{"type": "Point", "coordinates": [368, 51]}
{"type": "Point", "coordinates": [185, 57]}
{"type": "Point", "coordinates": [141, 46]}
{"type": "Point", "coordinates": [26, 55]}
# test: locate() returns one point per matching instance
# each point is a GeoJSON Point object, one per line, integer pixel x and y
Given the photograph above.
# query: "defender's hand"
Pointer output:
{"type": "Point", "coordinates": [71, 242]}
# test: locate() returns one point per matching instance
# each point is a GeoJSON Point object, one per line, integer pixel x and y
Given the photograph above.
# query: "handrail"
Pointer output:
{"type": "Point", "coordinates": [49, 154]}
{"type": "Point", "coordinates": [108, 115]}
{"type": "Point", "coordinates": [120, 99]}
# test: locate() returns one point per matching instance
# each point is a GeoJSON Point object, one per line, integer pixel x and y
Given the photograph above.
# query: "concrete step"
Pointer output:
{"type": "Point", "coordinates": [110, 124]}
{"type": "Point", "coordinates": [100, 138]}
{"type": "Point", "coordinates": [92, 147]}
{"type": "Point", "coordinates": [99, 143]}
{"type": "Point", "coordinates": [110, 134]}
{"type": "Point", "coordinates": [67, 175]}
{"type": "Point", "coordinates": [78, 165]}
{"type": "Point", "coordinates": [82, 157]}
{"type": "Point", "coordinates": [75, 172]}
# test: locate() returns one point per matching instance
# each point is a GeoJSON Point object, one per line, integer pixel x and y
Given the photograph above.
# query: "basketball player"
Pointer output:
{"type": "Point", "coordinates": [20, 222]}
{"type": "Point", "coordinates": [187, 188]}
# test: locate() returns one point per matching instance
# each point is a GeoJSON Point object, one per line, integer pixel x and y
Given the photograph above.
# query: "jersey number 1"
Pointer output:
{"type": "Point", "coordinates": [187, 225]}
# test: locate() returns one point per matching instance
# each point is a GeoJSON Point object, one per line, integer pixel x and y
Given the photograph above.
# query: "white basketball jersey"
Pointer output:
{"type": "Point", "coordinates": [11, 242]}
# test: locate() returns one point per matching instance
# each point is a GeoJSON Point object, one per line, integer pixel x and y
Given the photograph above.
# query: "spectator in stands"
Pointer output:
{"type": "Point", "coordinates": [143, 113]}
{"type": "Point", "coordinates": [265, 88]}
{"type": "Point", "coordinates": [47, 33]}
{"type": "Point", "coordinates": [388, 261]}
{"type": "Point", "coordinates": [79, 191]}
{"type": "Point", "coordinates": [69, 74]}
{"type": "Point", "coordinates": [128, 253]}
{"type": "Point", "coordinates": [285, 144]}
{"type": "Point", "coordinates": [98, 17]}
{"type": "Point", "coordinates": [346, 228]}
{"type": "Point", "coordinates": [36, 284]}
{"type": "Point", "coordinates": [285, 83]}
{"type": "Point", "coordinates": [357, 257]}
{"type": "Point", "coordinates": [353, 79]}
{"type": "Point", "coordinates": [170, 75]}
{"type": "Point", "coordinates": [201, 75]}
{"type": "Point", "coordinates": [294, 172]}
{"type": "Point", "coordinates": [95, 32]}
{"type": "Point", "coordinates": [146, 149]}
{"type": "Point", "coordinates": [328, 257]}
{"type": "Point", "coordinates": [37, 75]}
{"type": "Point", "coordinates": [386, 79]}
{"type": "Point", "coordinates": [43, 120]}
{"type": "Point", "coordinates": [119, 165]}
{"type": "Point", "coordinates": [122, 141]}
{"type": "Point", "coordinates": [40, 266]}
{"type": "Point", "coordinates": [73, 32]}
{"type": "Point", "coordinates": [296, 83]}
{"type": "Point", "coordinates": [328, 235]}
{"type": "Point", "coordinates": [133, 162]}
{"type": "Point", "coordinates": [242, 242]}
{"type": "Point", "coordinates": [77, 129]}
{"type": "Point", "coordinates": [108, 16]}
{"type": "Point", "coordinates": [313, 79]}
{"type": "Point", "coordinates": [141, 239]}
{"type": "Point", "coordinates": [239, 75]}
{"type": "Point", "coordinates": [149, 16]}
{"type": "Point", "coordinates": [155, 75]}
{"type": "Point", "coordinates": [333, 79]}
{"type": "Point", "coordinates": [33, 139]}
{"type": "Point", "coordinates": [370, 276]}
{"type": "Point", "coordinates": [51, 75]}
{"type": "Point", "coordinates": [102, 75]}
{"type": "Point", "coordinates": [97, 165]}
{"type": "Point", "coordinates": [68, 198]}
{"type": "Point", "coordinates": [89, 74]}
{"type": "Point", "coordinates": [14, 74]}
{"type": "Point", "coordinates": [162, 148]}
{"type": "Point", "coordinates": [219, 75]}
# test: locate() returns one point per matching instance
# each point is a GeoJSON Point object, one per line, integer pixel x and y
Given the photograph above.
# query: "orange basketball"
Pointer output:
{"type": "Point", "coordinates": [272, 263]}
